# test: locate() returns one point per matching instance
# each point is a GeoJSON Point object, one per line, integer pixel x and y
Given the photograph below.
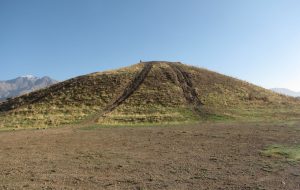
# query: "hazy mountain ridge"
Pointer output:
{"type": "Point", "coordinates": [286, 91]}
{"type": "Point", "coordinates": [22, 85]}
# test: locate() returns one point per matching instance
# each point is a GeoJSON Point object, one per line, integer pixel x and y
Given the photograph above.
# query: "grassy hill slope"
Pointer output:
{"type": "Point", "coordinates": [150, 92]}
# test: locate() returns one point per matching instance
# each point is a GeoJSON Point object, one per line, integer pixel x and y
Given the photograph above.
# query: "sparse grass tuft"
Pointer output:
{"type": "Point", "coordinates": [289, 152]}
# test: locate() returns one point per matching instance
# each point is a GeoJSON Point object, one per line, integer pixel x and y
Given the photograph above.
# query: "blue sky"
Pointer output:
{"type": "Point", "coordinates": [254, 40]}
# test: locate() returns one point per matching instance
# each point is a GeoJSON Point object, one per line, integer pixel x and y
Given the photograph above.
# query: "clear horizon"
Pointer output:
{"type": "Point", "coordinates": [256, 41]}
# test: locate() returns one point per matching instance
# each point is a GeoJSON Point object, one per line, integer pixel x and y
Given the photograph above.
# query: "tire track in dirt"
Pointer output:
{"type": "Point", "coordinates": [186, 84]}
{"type": "Point", "coordinates": [128, 91]}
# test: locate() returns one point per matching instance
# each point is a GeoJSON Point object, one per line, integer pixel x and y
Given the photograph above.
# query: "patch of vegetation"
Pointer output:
{"type": "Point", "coordinates": [289, 152]}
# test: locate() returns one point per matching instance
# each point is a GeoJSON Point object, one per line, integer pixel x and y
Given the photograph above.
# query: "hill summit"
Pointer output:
{"type": "Point", "coordinates": [147, 92]}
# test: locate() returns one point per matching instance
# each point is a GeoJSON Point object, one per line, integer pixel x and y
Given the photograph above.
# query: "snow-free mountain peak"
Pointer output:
{"type": "Point", "coordinates": [286, 91]}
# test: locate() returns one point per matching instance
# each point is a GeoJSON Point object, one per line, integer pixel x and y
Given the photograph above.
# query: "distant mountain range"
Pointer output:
{"type": "Point", "coordinates": [286, 91]}
{"type": "Point", "coordinates": [22, 85]}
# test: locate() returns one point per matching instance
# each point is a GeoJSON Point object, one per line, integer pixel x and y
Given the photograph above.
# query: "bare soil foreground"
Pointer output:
{"type": "Point", "coordinates": [212, 156]}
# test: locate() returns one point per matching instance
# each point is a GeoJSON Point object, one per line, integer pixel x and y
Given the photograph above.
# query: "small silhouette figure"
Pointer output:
{"type": "Point", "coordinates": [141, 61]}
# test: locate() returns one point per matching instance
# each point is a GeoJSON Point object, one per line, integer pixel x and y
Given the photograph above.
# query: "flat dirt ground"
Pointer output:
{"type": "Point", "coordinates": [208, 156]}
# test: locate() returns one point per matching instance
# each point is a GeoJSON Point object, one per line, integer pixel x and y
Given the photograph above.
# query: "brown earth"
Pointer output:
{"type": "Point", "coordinates": [204, 156]}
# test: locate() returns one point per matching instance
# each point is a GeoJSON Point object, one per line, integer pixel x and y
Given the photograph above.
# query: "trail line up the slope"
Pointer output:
{"type": "Point", "coordinates": [186, 84]}
{"type": "Point", "coordinates": [128, 91]}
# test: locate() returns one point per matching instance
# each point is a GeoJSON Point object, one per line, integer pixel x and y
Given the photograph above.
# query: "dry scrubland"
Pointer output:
{"type": "Point", "coordinates": [154, 125]}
